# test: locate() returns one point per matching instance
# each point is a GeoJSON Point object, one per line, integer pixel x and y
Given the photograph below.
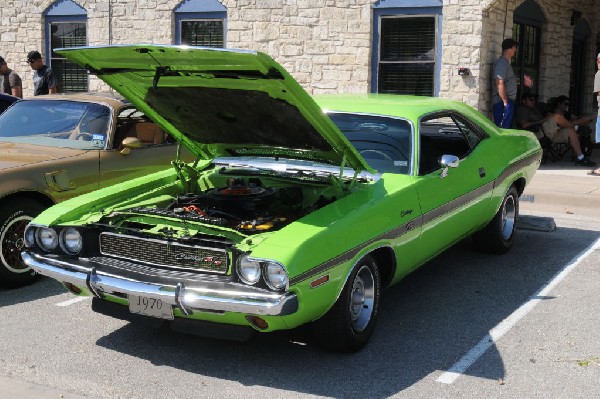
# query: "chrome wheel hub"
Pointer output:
{"type": "Point", "coordinates": [509, 215]}
{"type": "Point", "coordinates": [363, 299]}
{"type": "Point", "coordinates": [12, 243]}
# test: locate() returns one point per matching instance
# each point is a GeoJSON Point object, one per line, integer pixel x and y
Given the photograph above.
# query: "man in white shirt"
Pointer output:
{"type": "Point", "coordinates": [596, 172]}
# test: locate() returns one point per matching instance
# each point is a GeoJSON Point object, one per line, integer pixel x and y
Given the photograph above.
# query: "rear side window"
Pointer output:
{"type": "Point", "coordinates": [445, 134]}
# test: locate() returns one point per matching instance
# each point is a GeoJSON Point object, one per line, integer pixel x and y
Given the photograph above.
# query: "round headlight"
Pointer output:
{"type": "Point", "coordinates": [70, 240]}
{"type": "Point", "coordinates": [46, 238]}
{"type": "Point", "coordinates": [249, 270]}
{"type": "Point", "coordinates": [30, 236]}
{"type": "Point", "coordinates": [276, 276]}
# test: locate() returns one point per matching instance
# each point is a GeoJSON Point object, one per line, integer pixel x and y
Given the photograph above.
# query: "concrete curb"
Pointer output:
{"type": "Point", "coordinates": [536, 223]}
{"type": "Point", "coordinates": [562, 187]}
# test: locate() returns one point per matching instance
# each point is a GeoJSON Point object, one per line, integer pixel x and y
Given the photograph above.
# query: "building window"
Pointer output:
{"type": "Point", "coordinates": [528, 21]}
{"type": "Point", "coordinates": [200, 23]}
{"type": "Point", "coordinates": [406, 48]}
{"type": "Point", "coordinates": [66, 26]}
{"type": "Point", "coordinates": [407, 55]}
{"type": "Point", "coordinates": [207, 32]}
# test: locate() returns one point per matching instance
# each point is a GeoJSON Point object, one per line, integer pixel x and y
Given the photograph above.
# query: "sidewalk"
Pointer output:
{"type": "Point", "coordinates": [563, 187]}
{"type": "Point", "coordinates": [13, 388]}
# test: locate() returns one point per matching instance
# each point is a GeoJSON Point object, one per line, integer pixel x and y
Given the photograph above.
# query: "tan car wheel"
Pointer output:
{"type": "Point", "coordinates": [13, 272]}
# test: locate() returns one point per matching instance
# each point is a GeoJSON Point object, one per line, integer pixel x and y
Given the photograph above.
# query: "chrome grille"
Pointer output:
{"type": "Point", "coordinates": [164, 253]}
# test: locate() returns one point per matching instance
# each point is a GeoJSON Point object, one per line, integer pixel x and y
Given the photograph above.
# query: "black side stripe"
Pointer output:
{"type": "Point", "coordinates": [420, 220]}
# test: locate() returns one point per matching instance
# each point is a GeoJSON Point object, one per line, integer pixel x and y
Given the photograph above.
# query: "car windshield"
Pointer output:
{"type": "Point", "coordinates": [56, 123]}
{"type": "Point", "coordinates": [384, 142]}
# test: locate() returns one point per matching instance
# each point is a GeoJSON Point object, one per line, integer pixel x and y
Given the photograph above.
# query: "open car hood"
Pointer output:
{"type": "Point", "coordinates": [221, 102]}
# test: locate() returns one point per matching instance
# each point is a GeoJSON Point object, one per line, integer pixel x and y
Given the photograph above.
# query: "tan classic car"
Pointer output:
{"type": "Point", "coordinates": [56, 147]}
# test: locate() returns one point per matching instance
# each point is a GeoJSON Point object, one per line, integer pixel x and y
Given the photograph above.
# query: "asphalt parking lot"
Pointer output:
{"type": "Point", "coordinates": [465, 325]}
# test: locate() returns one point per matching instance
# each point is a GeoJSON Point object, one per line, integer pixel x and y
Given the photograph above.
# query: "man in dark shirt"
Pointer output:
{"type": "Point", "coordinates": [44, 81]}
{"type": "Point", "coordinates": [504, 86]}
{"type": "Point", "coordinates": [529, 116]}
{"type": "Point", "coordinates": [10, 82]}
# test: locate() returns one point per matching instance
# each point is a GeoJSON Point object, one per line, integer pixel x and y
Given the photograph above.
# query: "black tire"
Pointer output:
{"type": "Point", "coordinates": [14, 217]}
{"type": "Point", "coordinates": [498, 236]}
{"type": "Point", "coordinates": [348, 325]}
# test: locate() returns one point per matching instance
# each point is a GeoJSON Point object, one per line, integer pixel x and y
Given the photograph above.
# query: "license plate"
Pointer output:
{"type": "Point", "coordinates": [150, 307]}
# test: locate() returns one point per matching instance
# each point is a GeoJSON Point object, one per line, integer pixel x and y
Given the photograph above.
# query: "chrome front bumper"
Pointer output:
{"type": "Point", "coordinates": [207, 296]}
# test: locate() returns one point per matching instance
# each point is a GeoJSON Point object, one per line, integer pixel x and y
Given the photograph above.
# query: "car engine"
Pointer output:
{"type": "Point", "coordinates": [243, 205]}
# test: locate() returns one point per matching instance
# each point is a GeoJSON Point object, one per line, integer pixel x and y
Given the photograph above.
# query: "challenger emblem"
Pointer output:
{"type": "Point", "coordinates": [189, 257]}
{"type": "Point", "coordinates": [200, 259]}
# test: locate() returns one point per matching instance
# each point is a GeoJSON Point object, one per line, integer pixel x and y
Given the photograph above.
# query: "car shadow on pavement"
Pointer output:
{"type": "Point", "coordinates": [426, 323]}
{"type": "Point", "coordinates": [41, 288]}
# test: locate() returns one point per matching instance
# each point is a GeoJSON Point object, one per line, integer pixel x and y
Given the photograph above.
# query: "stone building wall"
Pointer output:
{"type": "Point", "coordinates": [462, 41]}
{"type": "Point", "coordinates": [325, 44]}
{"type": "Point", "coordinates": [556, 43]}
{"type": "Point", "coordinates": [472, 36]}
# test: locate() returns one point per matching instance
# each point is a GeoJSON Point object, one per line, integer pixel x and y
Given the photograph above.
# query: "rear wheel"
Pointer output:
{"type": "Point", "coordinates": [13, 220]}
{"type": "Point", "coordinates": [498, 235]}
{"type": "Point", "coordinates": [348, 325]}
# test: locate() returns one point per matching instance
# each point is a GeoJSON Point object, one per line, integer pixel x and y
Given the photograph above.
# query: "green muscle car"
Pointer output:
{"type": "Point", "coordinates": [296, 210]}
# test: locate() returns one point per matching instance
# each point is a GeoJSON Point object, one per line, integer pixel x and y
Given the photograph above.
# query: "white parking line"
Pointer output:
{"type": "Point", "coordinates": [505, 325]}
{"type": "Point", "coordinates": [74, 300]}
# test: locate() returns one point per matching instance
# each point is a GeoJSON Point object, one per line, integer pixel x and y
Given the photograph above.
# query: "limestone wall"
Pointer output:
{"type": "Point", "coordinates": [556, 43]}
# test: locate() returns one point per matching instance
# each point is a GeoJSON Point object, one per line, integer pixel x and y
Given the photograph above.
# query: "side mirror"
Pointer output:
{"type": "Point", "coordinates": [130, 143]}
{"type": "Point", "coordinates": [448, 161]}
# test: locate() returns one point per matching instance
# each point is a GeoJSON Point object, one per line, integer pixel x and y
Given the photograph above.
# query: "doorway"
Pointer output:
{"type": "Point", "coordinates": [527, 28]}
{"type": "Point", "coordinates": [579, 50]}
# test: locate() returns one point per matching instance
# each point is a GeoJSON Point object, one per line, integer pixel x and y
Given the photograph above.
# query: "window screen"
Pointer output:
{"type": "Point", "coordinates": [407, 55]}
{"type": "Point", "coordinates": [71, 77]}
{"type": "Point", "coordinates": [208, 33]}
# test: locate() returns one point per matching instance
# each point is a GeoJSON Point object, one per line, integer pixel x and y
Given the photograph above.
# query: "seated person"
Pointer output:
{"type": "Point", "coordinates": [578, 121]}
{"type": "Point", "coordinates": [528, 116]}
{"type": "Point", "coordinates": [559, 129]}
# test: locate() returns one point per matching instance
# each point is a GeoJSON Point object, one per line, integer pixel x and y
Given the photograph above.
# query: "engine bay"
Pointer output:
{"type": "Point", "coordinates": [247, 204]}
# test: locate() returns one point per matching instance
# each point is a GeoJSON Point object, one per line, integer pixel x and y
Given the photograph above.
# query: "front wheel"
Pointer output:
{"type": "Point", "coordinates": [348, 325]}
{"type": "Point", "coordinates": [498, 235]}
{"type": "Point", "coordinates": [14, 217]}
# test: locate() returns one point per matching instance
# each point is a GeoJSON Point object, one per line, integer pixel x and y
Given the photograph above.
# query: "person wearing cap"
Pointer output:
{"type": "Point", "coordinates": [529, 116]}
{"type": "Point", "coordinates": [44, 81]}
{"type": "Point", "coordinates": [504, 86]}
{"type": "Point", "coordinates": [10, 82]}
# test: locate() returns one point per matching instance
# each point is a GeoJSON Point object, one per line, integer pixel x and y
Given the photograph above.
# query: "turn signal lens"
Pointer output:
{"type": "Point", "coordinates": [46, 238]}
{"type": "Point", "coordinates": [258, 322]}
